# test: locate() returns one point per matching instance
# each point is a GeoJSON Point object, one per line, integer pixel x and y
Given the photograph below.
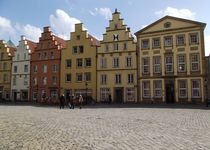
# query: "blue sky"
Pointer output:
{"type": "Point", "coordinates": [28, 17]}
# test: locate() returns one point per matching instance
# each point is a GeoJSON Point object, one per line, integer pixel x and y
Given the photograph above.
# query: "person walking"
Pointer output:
{"type": "Point", "coordinates": [68, 99]}
{"type": "Point", "coordinates": [80, 101]}
{"type": "Point", "coordinates": [72, 101]}
{"type": "Point", "coordinates": [62, 101]}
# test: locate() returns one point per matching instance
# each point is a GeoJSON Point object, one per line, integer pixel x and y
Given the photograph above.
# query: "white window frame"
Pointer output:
{"type": "Point", "coordinates": [103, 79]}
{"type": "Point", "coordinates": [157, 64]}
{"type": "Point", "coordinates": [156, 43]}
{"type": "Point", "coordinates": [168, 41]}
{"type": "Point", "coordinates": [118, 79]}
{"type": "Point", "coordinates": [181, 59]}
{"type": "Point", "coordinates": [145, 65]}
{"type": "Point", "coordinates": [196, 89]}
{"type": "Point", "coordinates": [146, 89]}
{"type": "Point", "coordinates": [180, 40]}
{"type": "Point", "coordinates": [130, 78]}
{"type": "Point", "coordinates": [129, 61]}
{"type": "Point", "coordinates": [130, 94]}
{"type": "Point", "coordinates": [103, 63]}
{"type": "Point", "coordinates": [194, 40]}
{"type": "Point", "coordinates": [182, 88]}
{"type": "Point", "coordinates": [194, 62]}
{"type": "Point", "coordinates": [169, 64]}
{"type": "Point", "coordinates": [157, 88]}
{"type": "Point", "coordinates": [116, 62]}
{"type": "Point", "coordinates": [145, 44]}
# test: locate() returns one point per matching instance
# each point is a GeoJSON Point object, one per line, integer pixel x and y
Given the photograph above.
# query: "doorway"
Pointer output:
{"type": "Point", "coordinates": [118, 93]}
{"type": "Point", "coordinates": [15, 96]}
{"type": "Point", "coordinates": [169, 88]}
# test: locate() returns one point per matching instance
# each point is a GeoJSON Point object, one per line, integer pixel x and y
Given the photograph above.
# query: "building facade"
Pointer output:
{"type": "Point", "coordinates": [20, 80]}
{"type": "Point", "coordinates": [116, 68]}
{"type": "Point", "coordinates": [6, 54]}
{"type": "Point", "coordinates": [171, 61]}
{"type": "Point", "coordinates": [45, 68]}
{"type": "Point", "coordinates": [78, 64]}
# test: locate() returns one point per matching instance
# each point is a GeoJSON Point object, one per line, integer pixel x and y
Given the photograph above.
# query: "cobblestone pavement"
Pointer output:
{"type": "Point", "coordinates": [43, 128]}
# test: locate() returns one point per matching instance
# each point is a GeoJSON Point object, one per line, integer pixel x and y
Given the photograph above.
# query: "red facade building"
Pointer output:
{"type": "Point", "coordinates": [45, 68]}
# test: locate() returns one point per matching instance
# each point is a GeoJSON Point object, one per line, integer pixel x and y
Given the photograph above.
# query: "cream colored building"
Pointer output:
{"type": "Point", "coordinates": [78, 64]}
{"type": "Point", "coordinates": [116, 68]}
{"type": "Point", "coordinates": [171, 61]}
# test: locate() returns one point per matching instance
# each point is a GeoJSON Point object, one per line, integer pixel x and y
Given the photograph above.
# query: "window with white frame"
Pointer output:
{"type": "Point", "coordinates": [145, 44]}
{"type": "Point", "coordinates": [182, 87]}
{"type": "Point", "coordinates": [196, 89]}
{"type": "Point", "coordinates": [68, 63]}
{"type": "Point", "coordinates": [87, 62]}
{"type": "Point", "coordinates": [104, 94]}
{"type": "Point", "coordinates": [103, 63]}
{"type": "Point", "coordinates": [129, 61]}
{"type": "Point", "coordinates": [180, 40]}
{"type": "Point", "coordinates": [68, 77]}
{"type": "Point", "coordinates": [54, 80]}
{"type": "Point", "coordinates": [87, 76]}
{"type": "Point", "coordinates": [156, 64]}
{"type": "Point", "coordinates": [130, 94]}
{"type": "Point", "coordinates": [115, 62]}
{"type": "Point", "coordinates": [169, 63]}
{"type": "Point", "coordinates": [118, 78]}
{"type": "Point", "coordinates": [79, 62]}
{"type": "Point", "coordinates": [145, 65]}
{"type": "Point", "coordinates": [157, 88]}
{"type": "Point", "coordinates": [25, 68]}
{"type": "Point", "coordinates": [168, 41]}
{"type": "Point", "coordinates": [193, 38]}
{"type": "Point", "coordinates": [103, 78]}
{"type": "Point", "coordinates": [194, 62]}
{"type": "Point", "coordinates": [55, 68]}
{"type": "Point", "coordinates": [130, 78]}
{"type": "Point", "coordinates": [181, 63]}
{"type": "Point", "coordinates": [44, 80]}
{"type": "Point", "coordinates": [79, 77]}
{"type": "Point", "coordinates": [156, 43]}
{"type": "Point", "coordinates": [146, 89]}
{"type": "Point", "coordinates": [115, 46]}
{"type": "Point", "coordinates": [44, 68]}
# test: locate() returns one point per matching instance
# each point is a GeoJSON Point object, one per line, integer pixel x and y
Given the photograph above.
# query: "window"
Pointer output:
{"type": "Point", "coordinates": [68, 77]}
{"type": "Point", "coordinates": [181, 63]}
{"type": "Point", "coordinates": [156, 64]}
{"type": "Point", "coordinates": [168, 41]}
{"type": "Point", "coordinates": [44, 68]}
{"type": "Point", "coordinates": [182, 87]}
{"type": "Point", "coordinates": [145, 63]}
{"type": "Point", "coordinates": [79, 77]}
{"type": "Point", "coordinates": [115, 37]}
{"type": "Point", "coordinates": [106, 47]}
{"type": "Point", "coordinates": [4, 65]}
{"type": "Point", "coordinates": [74, 49]}
{"type": "Point", "coordinates": [104, 94]}
{"type": "Point", "coordinates": [54, 68]}
{"type": "Point", "coordinates": [180, 40]}
{"type": "Point", "coordinates": [156, 43]}
{"type": "Point", "coordinates": [157, 88]}
{"type": "Point", "coordinates": [18, 56]}
{"type": "Point", "coordinates": [68, 63]}
{"type": "Point", "coordinates": [35, 69]}
{"type": "Point", "coordinates": [194, 38]}
{"type": "Point", "coordinates": [48, 44]}
{"type": "Point", "coordinates": [81, 49]}
{"type": "Point", "coordinates": [115, 62]}
{"type": "Point", "coordinates": [15, 69]}
{"type": "Point", "coordinates": [146, 89]}
{"type": "Point", "coordinates": [45, 55]}
{"type": "Point", "coordinates": [51, 55]}
{"type": "Point", "coordinates": [14, 80]}
{"type": "Point", "coordinates": [43, 95]}
{"type": "Point", "coordinates": [78, 37]}
{"type": "Point", "coordinates": [54, 93]}
{"type": "Point", "coordinates": [115, 46]}
{"type": "Point", "coordinates": [88, 62]}
{"type": "Point", "coordinates": [25, 68]}
{"type": "Point", "coordinates": [194, 62]}
{"type": "Point", "coordinates": [169, 63]}
{"type": "Point", "coordinates": [124, 46]}
{"type": "Point", "coordinates": [79, 62]}
{"type": "Point", "coordinates": [44, 80]}
{"type": "Point", "coordinates": [35, 81]}
{"type": "Point", "coordinates": [115, 26]}
{"type": "Point", "coordinates": [130, 78]}
{"type": "Point", "coordinates": [129, 61]}
{"type": "Point", "coordinates": [87, 76]}
{"type": "Point", "coordinates": [39, 56]}
{"type": "Point", "coordinates": [196, 89]}
{"type": "Point", "coordinates": [103, 63]}
{"type": "Point", "coordinates": [145, 44]}
{"type": "Point", "coordinates": [118, 78]}
{"type": "Point", "coordinates": [130, 94]}
{"type": "Point", "coordinates": [25, 80]}
{"type": "Point", "coordinates": [54, 80]}
{"type": "Point", "coordinates": [103, 78]}
{"type": "Point", "coordinates": [5, 78]}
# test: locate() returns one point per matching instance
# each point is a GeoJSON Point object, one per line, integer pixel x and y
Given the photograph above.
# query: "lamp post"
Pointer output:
{"type": "Point", "coordinates": [86, 84]}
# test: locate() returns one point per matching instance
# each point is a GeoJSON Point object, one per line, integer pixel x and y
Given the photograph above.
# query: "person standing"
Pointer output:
{"type": "Point", "coordinates": [68, 99]}
{"type": "Point", "coordinates": [110, 99]}
{"type": "Point", "coordinates": [72, 101]}
{"type": "Point", "coordinates": [80, 101]}
{"type": "Point", "coordinates": [62, 101]}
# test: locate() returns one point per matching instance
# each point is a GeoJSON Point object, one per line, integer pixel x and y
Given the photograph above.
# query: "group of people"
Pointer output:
{"type": "Point", "coordinates": [70, 101]}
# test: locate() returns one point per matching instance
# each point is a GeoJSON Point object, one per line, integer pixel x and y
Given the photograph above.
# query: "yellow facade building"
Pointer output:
{"type": "Point", "coordinates": [6, 54]}
{"type": "Point", "coordinates": [78, 64]}
{"type": "Point", "coordinates": [116, 68]}
{"type": "Point", "coordinates": [171, 61]}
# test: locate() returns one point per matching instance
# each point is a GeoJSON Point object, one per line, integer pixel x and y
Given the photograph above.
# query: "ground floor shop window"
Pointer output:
{"type": "Point", "coordinates": [104, 94]}
{"type": "Point", "coordinates": [130, 94]}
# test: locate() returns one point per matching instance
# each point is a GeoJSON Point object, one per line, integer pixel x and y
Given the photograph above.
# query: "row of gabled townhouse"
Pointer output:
{"type": "Point", "coordinates": [166, 64]}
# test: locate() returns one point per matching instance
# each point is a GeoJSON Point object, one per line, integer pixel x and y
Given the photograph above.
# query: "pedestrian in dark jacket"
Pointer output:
{"type": "Point", "coordinates": [62, 101]}
{"type": "Point", "coordinates": [72, 101]}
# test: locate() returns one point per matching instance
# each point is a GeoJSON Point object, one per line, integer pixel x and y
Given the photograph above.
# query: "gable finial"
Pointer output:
{"type": "Point", "coordinates": [115, 10]}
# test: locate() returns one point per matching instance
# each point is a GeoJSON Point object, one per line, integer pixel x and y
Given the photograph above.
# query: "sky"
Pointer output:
{"type": "Point", "coordinates": [28, 17]}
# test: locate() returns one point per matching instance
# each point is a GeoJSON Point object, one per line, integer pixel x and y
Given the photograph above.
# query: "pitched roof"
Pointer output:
{"type": "Point", "coordinates": [31, 45]}
{"type": "Point", "coordinates": [94, 41]}
{"type": "Point", "coordinates": [171, 17]}
{"type": "Point", "coordinates": [60, 41]}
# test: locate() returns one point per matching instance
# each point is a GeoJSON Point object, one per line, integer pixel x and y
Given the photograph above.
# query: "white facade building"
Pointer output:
{"type": "Point", "coordinates": [20, 81]}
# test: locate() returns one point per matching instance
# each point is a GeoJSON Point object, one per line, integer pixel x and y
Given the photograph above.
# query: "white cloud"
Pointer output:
{"type": "Point", "coordinates": [106, 12]}
{"type": "Point", "coordinates": [6, 27]}
{"type": "Point", "coordinates": [182, 13]}
{"type": "Point", "coordinates": [63, 23]}
{"type": "Point", "coordinates": [207, 45]}
{"type": "Point", "coordinates": [31, 32]}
